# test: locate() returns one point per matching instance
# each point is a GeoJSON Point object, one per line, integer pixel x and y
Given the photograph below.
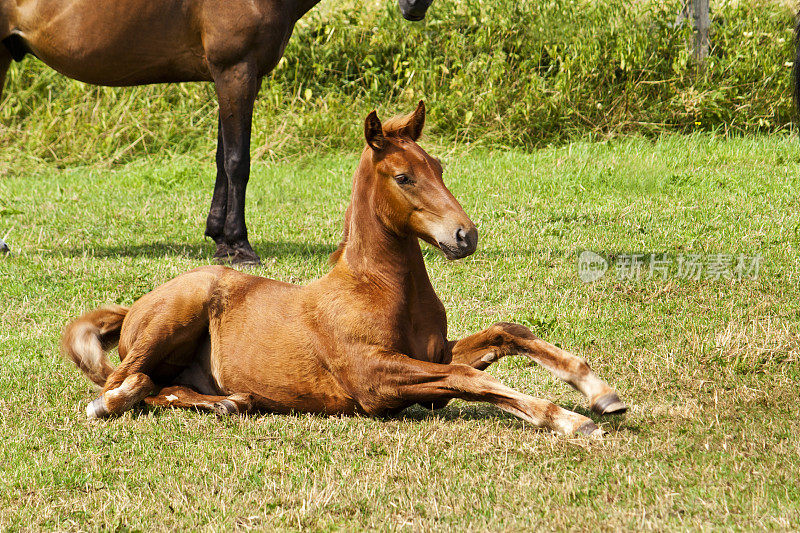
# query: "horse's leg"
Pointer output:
{"type": "Point", "coordinates": [5, 62]}
{"type": "Point", "coordinates": [502, 339]}
{"type": "Point", "coordinates": [386, 381]}
{"type": "Point", "coordinates": [118, 399]}
{"type": "Point", "coordinates": [130, 382]}
{"type": "Point", "coordinates": [237, 87]}
{"type": "Point", "coordinates": [187, 398]}
{"type": "Point", "coordinates": [215, 223]}
{"type": "Point", "coordinates": [162, 334]}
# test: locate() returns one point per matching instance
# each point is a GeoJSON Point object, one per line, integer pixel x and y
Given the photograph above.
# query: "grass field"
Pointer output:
{"type": "Point", "coordinates": [709, 367]}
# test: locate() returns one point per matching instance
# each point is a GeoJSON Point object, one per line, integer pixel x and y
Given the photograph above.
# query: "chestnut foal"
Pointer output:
{"type": "Point", "coordinates": [370, 337]}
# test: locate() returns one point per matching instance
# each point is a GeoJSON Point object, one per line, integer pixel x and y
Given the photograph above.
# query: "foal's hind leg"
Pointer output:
{"type": "Point", "coordinates": [114, 401]}
{"type": "Point", "coordinates": [502, 339]}
{"type": "Point", "coordinates": [163, 330]}
{"type": "Point", "coordinates": [181, 396]}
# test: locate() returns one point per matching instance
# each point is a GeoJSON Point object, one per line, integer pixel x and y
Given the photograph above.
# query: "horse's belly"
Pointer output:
{"type": "Point", "coordinates": [284, 381]}
{"type": "Point", "coordinates": [125, 70]}
{"type": "Point", "coordinates": [107, 42]}
{"type": "Point", "coordinates": [261, 346]}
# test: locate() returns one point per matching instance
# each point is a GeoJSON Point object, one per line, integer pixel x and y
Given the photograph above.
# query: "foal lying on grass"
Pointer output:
{"type": "Point", "coordinates": [370, 337]}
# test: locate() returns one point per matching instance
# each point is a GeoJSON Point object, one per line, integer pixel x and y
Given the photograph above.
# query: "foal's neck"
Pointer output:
{"type": "Point", "coordinates": [373, 251]}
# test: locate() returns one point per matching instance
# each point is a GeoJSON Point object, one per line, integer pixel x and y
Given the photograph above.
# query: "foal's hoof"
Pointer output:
{"type": "Point", "coordinates": [225, 408]}
{"type": "Point", "coordinates": [96, 409]}
{"type": "Point", "coordinates": [609, 404]}
{"type": "Point", "coordinates": [590, 429]}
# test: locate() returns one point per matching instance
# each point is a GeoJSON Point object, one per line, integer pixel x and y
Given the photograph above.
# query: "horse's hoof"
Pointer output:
{"type": "Point", "coordinates": [227, 254]}
{"type": "Point", "coordinates": [609, 404]}
{"type": "Point", "coordinates": [245, 258]}
{"type": "Point", "coordinates": [590, 429]}
{"type": "Point", "coordinates": [225, 408]}
{"type": "Point", "coordinates": [96, 409]}
{"type": "Point", "coordinates": [4, 247]}
{"type": "Point", "coordinates": [223, 253]}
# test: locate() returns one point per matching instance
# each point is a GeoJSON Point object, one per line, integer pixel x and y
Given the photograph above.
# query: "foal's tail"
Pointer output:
{"type": "Point", "coordinates": [87, 339]}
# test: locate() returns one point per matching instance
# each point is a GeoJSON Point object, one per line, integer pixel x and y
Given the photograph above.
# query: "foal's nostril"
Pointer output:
{"type": "Point", "coordinates": [462, 244]}
{"type": "Point", "coordinates": [461, 238]}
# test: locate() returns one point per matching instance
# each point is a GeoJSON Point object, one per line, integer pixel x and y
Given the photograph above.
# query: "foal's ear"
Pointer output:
{"type": "Point", "coordinates": [414, 122]}
{"type": "Point", "coordinates": [373, 132]}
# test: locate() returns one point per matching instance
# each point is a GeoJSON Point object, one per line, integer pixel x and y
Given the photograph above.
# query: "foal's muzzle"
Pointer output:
{"type": "Point", "coordinates": [464, 243]}
{"type": "Point", "coordinates": [414, 10]}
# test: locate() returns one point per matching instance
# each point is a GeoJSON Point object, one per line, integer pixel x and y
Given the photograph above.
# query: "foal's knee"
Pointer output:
{"type": "Point", "coordinates": [506, 336]}
{"type": "Point", "coordinates": [515, 330]}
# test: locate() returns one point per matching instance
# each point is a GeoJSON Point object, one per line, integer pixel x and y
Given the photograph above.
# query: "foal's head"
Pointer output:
{"type": "Point", "coordinates": [407, 192]}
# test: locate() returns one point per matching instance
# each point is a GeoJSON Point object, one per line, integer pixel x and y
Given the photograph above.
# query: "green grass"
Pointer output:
{"type": "Point", "coordinates": [709, 368]}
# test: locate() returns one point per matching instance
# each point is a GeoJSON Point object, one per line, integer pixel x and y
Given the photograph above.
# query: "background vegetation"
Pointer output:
{"type": "Point", "coordinates": [502, 73]}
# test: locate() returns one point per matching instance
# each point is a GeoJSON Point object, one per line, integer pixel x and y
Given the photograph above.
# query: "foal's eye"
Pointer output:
{"type": "Point", "coordinates": [402, 179]}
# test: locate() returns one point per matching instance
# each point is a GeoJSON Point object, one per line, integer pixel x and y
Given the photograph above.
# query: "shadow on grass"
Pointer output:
{"type": "Point", "coordinates": [204, 251]}
{"type": "Point", "coordinates": [486, 412]}
{"type": "Point", "coordinates": [416, 413]}
{"type": "Point", "coordinates": [201, 251]}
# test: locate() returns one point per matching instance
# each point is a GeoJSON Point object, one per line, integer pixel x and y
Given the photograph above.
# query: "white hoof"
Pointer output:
{"type": "Point", "coordinates": [96, 409]}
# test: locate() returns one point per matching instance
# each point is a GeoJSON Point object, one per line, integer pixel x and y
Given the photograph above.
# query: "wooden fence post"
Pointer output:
{"type": "Point", "coordinates": [702, 23]}
{"type": "Point", "coordinates": [698, 12]}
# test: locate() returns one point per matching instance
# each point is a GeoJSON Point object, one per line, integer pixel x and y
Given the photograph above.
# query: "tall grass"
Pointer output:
{"type": "Point", "coordinates": [496, 72]}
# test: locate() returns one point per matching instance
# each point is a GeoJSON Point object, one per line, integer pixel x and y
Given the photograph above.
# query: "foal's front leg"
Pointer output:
{"type": "Point", "coordinates": [502, 339]}
{"type": "Point", "coordinates": [385, 381]}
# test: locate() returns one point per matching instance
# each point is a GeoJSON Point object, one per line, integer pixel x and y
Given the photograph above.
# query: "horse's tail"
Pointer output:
{"type": "Point", "coordinates": [87, 339]}
{"type": "Point", "coordinates": [796, 66]}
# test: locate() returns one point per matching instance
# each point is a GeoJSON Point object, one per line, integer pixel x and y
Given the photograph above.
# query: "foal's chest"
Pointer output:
{"type": "Point", "coordinates": [427, 331]}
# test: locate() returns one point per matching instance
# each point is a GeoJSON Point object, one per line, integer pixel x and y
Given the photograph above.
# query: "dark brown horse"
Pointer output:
{"type": "Point", "coordinates": [369, 337]}
{"type": "Point", "coordinates": [233, 43]}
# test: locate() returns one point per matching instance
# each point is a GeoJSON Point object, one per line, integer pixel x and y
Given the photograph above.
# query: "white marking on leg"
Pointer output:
{"type": "Point", "coordinates": [172, 398]}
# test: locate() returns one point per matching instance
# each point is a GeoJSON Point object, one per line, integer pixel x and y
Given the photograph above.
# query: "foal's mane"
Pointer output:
{"type": "Point", "coordinates": [392, 128]}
